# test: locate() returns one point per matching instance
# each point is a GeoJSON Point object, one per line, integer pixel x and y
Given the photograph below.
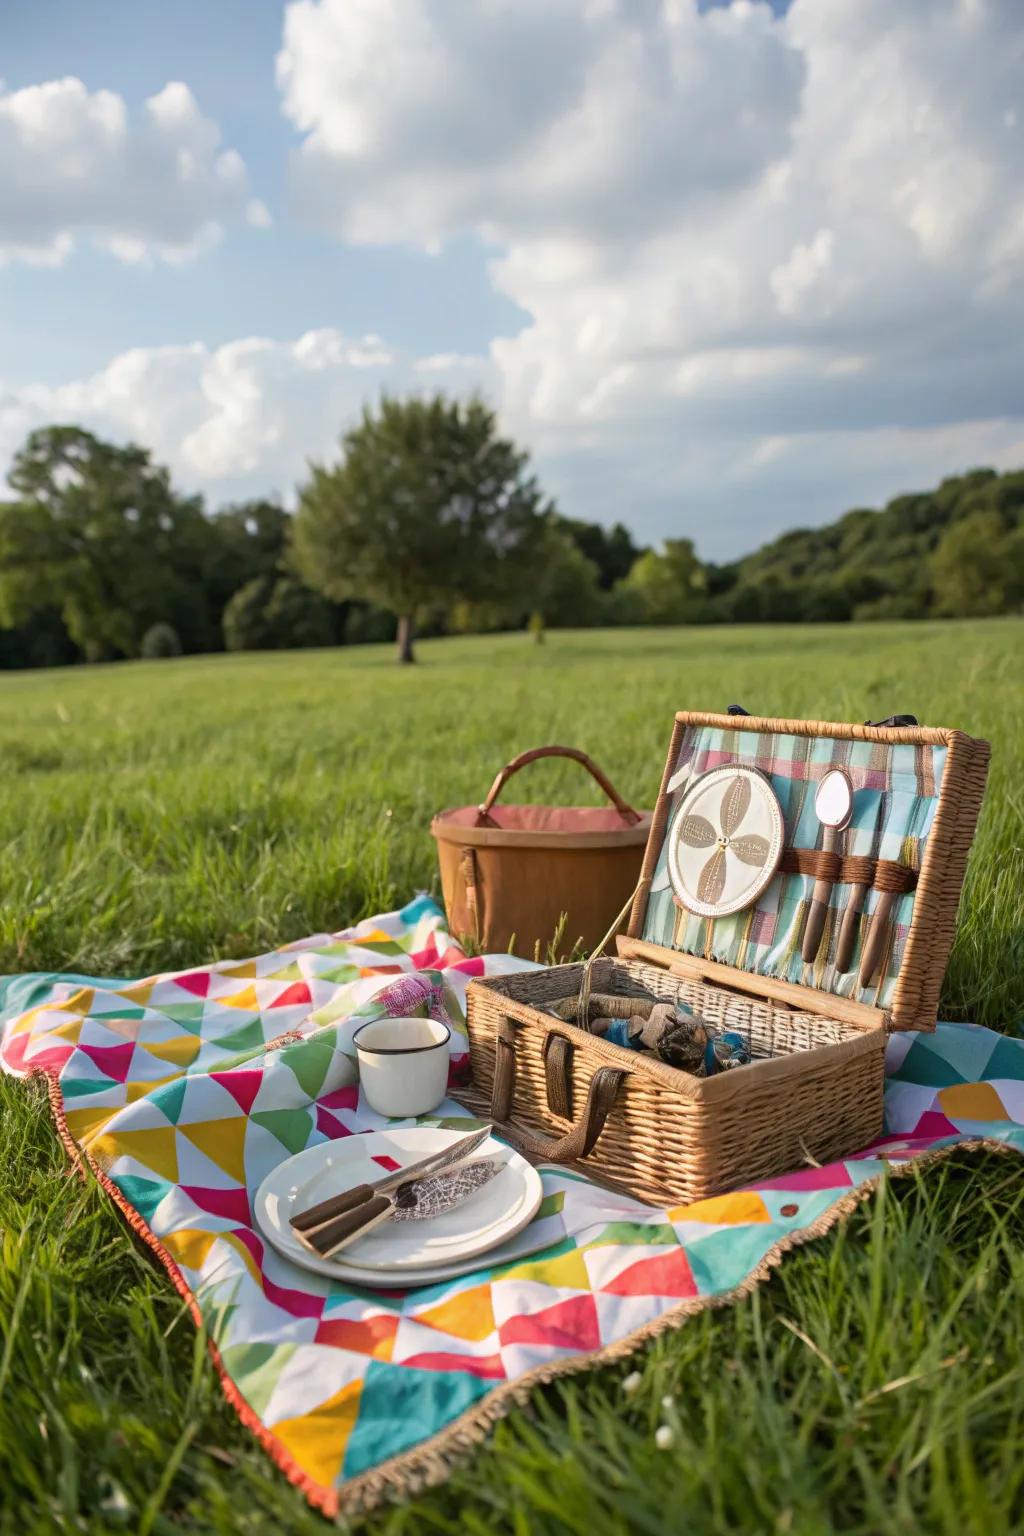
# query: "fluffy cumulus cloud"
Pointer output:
{"type": "Point", "coordinates": [156, 182]}
{"type": "Point", "coordinates": [235, 420]}
{"type": "Point", "coordinates": [772, 264]}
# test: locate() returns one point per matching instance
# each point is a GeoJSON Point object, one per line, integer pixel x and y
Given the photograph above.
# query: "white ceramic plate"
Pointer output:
{"type": "Point", "coordinates": [407, 1252]}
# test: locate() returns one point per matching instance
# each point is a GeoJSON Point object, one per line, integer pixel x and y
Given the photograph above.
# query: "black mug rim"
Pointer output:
{"type": "Point", "coordinates": [400, 1050]}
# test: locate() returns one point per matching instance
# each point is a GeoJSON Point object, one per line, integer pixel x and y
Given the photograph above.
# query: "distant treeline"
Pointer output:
{"type": "Point", "coordinates": [101, 558]}
{"type": "Point", "coordinates": [955, 552]}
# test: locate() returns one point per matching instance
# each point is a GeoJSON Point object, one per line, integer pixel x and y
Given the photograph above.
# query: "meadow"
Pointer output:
{"type": "Point", "coordinates": [156, 814]}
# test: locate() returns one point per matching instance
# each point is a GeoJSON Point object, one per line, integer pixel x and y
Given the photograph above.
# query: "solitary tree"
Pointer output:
{"type": "Point", "coordinates": [427, 505]}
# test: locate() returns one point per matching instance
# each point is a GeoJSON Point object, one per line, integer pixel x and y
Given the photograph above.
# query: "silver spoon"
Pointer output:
{"type": "Point", "coordinates": [833, 806]}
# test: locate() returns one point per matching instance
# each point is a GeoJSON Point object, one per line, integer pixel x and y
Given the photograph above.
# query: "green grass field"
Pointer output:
{"type": "Point", "coordinates": [154, 815]}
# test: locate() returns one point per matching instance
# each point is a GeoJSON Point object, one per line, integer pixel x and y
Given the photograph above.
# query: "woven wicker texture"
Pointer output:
{"type": "Point", "coordinates": [813, 1091]}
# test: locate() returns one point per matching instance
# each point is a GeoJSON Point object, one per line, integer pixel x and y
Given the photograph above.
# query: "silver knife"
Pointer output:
{"type": "Point", "coordinates": [415, 1200]}
{"type": "Point", "coordinates": [335, 1205]}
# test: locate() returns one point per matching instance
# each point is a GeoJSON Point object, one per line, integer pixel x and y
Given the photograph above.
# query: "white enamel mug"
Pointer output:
{"type": "Point", "coordinates": [403, 1065]}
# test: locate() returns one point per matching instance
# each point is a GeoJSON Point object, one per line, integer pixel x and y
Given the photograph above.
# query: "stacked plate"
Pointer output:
{"type": "Point", "coordinates": [398, 1252]}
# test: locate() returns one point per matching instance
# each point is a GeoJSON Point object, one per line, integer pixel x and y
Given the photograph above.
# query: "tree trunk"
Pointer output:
{"type": "Point", "coordinates": [405, 636]}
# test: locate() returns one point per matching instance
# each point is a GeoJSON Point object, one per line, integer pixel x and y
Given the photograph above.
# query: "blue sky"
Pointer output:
{"type": "Point", "coordinates": [293, 282]}
{"type": "Point", "coordinates": [723, 269]}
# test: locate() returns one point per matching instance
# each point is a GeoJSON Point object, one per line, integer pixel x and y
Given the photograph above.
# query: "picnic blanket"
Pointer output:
{"type": "Point", "coordinates": [182, 1091]}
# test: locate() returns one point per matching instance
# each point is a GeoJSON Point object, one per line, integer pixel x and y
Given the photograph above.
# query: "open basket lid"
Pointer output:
{"type": "Point", "coordinates": [915, 797]}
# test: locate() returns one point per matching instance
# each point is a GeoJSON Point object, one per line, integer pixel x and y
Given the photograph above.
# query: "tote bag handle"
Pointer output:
{"type": "Point", "coordinates": [501, 779]}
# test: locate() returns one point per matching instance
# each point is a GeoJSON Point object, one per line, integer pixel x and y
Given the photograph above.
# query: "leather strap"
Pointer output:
{"type": "Point", "coordinates": [501, 779]}
{"type": "Point", "coordinates": [467, 869]}
{"type": "Point", "coordinates": [581, 1139]}
{"type": "Point", "coordinates": [558, 1074]}
{"type": "Point", "coordinates": [504, 1072]}
{"type": "Point", "coordinates": [849, 869]}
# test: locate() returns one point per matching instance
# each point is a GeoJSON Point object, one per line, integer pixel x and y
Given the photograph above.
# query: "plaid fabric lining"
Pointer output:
{"type": "Point", "coordinates": [896, 791]}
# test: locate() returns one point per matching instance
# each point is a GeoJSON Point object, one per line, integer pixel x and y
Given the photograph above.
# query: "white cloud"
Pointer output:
{"type": "Point", "coordinates": [794, 280]}
{"type": "Point", "coordinates": [154, 183]}
{"type": "Point", "coordinates": [422, 119]}
{"type": "Point", "coordinates": [235, 420]}
{"type": "Point", "coordinates": [727, 229]}
{"type": "Point", "coordinates": [245, 418]}
{"type": "Point", "coordinates": [772, 267]}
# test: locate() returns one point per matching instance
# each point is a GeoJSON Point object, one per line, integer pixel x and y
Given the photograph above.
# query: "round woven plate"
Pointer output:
{"type": "Point", "coordinates": [725, 841]}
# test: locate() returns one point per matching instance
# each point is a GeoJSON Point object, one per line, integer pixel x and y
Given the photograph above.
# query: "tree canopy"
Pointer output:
{"type": "Point", "coordinates": [99, 535]}
{"type": "Point", "coordinates": [610, 550]}
{"type": "Point", "coordinates": [431, 519]}
{"type": "Point", "coordinates": [669, 587]}
{"type": "Point", "coordinates": [427, 503]}
{"type": "Point", "coordinates": [887, 564]}
{"type": "Point", "coordinates": [278, 614]}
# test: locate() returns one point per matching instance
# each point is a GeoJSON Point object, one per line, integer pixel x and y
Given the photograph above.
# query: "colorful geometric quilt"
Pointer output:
{"type": "Point", "coordinates": [182, 1091]}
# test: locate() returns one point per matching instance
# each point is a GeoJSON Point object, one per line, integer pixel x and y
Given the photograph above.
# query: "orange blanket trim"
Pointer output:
{"type": "Point", "coordinates": [324, 1499]}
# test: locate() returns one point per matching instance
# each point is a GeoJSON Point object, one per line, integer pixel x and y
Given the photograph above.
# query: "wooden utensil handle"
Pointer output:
{"type": "Point", "coordinates": [334, 1205]}
{"type": "Point", "coordinates": [848, 930]}
{"type": "Point", "coordinates": [327, 1240]}
{"type": "Point", "coordinates": [871, 955]}
{"type": "Point", "coordinates": [815, 924]}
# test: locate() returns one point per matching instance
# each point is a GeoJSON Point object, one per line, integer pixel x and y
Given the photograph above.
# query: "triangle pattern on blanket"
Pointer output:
{"type": "Point", "coordinates": [246, 1000]}
{"type": "Point", "coordinates": [222, 1141]}
{"type": "Point", "coordinates": [292, 1127]}
{"type": "Point", "coordinates": [318, 1439]}
{"type": "Point", "coordinates": [180, 1051]}
{"type": "Point", "coordinates": [247, 1037]}
{"type": "Point", "coordinates": [168, 1086]}
{"type": "Point", "coordinates": [311, 1061]}
{"type": "Point", "coordinates": [154, 1149]}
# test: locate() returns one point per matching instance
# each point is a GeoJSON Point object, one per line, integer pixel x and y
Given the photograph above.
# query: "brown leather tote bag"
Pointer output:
{"type": "Point", "coordinates": [511, 873]}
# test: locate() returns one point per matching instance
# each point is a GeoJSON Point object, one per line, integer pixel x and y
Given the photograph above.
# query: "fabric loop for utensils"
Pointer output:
{"type": "Point", "coordinates": [849, 869]}
{"type": "Point", "coordinates": [886, 876]}
{"type": "Point", "coordinates": [581, 1139]}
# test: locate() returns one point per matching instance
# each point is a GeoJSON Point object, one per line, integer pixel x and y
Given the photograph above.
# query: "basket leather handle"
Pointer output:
{"type": "Point", "coordinates": [625, 810]}
{"type": "Point", "coordinates": [582, 1137]}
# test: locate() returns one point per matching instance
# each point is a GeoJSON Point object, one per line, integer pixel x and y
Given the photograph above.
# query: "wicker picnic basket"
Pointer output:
{"type": "Point", "coordinates": [812, 1090]}
{"type": "Point", "coordinates": [522, 874]}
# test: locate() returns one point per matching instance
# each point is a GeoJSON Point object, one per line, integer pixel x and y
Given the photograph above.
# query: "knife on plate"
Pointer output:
{"type": "Point", "coordinates": [414, 1200]}
{"type": "Point", "coordinates": [349, 1199]}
